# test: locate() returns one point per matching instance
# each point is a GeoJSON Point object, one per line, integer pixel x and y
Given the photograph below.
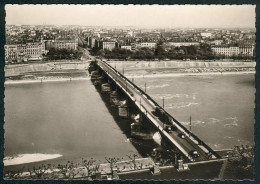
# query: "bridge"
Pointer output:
{"type": "Point", "coordinates": [180, 137]}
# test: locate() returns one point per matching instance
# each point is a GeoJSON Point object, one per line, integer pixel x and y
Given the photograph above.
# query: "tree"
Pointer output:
{"type": "Point", "coordinates": [112, 162]}
{"type": "Point", "coordinates": [88, 164]}
{"type": "Point", "coordinates": [39, 172]}
{"type": "Point", "coordinates": [133, 159]}
{"type": "Point", "coordinates": [159, 50]}
{"type": "Point", "coordinates": [66, 169]}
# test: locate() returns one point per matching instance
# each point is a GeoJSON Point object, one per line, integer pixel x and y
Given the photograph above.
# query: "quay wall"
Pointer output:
{"type": "Point", "coordinates": [18, 69]}
{"type": "Point", "coordinates": [177, 64]}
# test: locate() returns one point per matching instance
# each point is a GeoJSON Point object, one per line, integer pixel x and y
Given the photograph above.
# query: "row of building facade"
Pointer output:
{"type": "Point", "coordinates": [243, 50]}
{"type": "Point", "coordinates": [36, 50]}
{"type": "Point", "coordinates": [110, 45]}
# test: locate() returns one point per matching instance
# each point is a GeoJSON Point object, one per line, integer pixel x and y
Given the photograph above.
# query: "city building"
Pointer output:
{"type": "Point", "coordinates": [91, 41]}
{"type": "Point", "coordinates": [62, 44]}
{"type": "Point", "coordinates": [178, 44]}
{"type": "Point", "coordinates": [10, 52]}
{"type": "Point", "coordinates": [216, 42]}
{"type": "Point", "coordinates": [150, 45]}
{"type": "Point", "coordinates": [22, 52]}
{"type": "Point", "coordinates": [128, 47]}
{"type": "Point", "coordinates": [109, 45]}
{"type": "Point", "coordinates": [243, 50]}
{"type": "Point", "coordinates": [246, 50]}
{"type": "Point", "coordinates": [206, 34]}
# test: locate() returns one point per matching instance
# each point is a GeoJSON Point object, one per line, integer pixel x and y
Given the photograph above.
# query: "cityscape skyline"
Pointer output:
{"type": "Point", "coordinates": [144, 16]}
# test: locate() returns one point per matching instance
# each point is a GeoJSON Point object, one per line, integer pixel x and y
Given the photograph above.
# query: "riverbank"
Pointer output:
{"type": "Point", "coordinates": [46, 80]}
{"type": "Point", "coordinates": [163, 75]}
{"type": "Point", "coordinates": [128, 75]}
{"type": "Point", "coordinates": [22, 69]}
{"type": "Point", "coordinates": [29, 158]}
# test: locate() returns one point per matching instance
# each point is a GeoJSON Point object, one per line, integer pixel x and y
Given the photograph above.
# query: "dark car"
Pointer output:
{"type": "Point", "coordinates": [181, 135]}
{"type": "Point", "coordinates": [194, 154]}
{"type": "Point", "coordinates": [168, 129]}
{"type": "Point", "coordinates": [173, 128]}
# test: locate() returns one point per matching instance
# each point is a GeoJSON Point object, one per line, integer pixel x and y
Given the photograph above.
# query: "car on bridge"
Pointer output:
{"type": "Point", "coordinates": [194, 154]}
{"type": "Point", "coordinates": [174, 128]}
{"type": "Point", "coordinates": [168, 128]}
{"type": "Point", "coordinates": [182, 135]}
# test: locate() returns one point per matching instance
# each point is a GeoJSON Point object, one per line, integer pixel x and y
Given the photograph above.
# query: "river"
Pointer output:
{"type": "Point", "coordinates": [71, 119]}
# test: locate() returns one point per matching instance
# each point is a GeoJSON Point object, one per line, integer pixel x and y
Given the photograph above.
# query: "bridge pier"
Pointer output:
{"type": "Point", "coordinates": [94, 75]}
{"type": "Point", "coordinates": [140, 130]}
{"type": "Point", "coordinates": [123, 110]}
{"type": "Point", "coordinates": [105, 88]}
{"type": "Point", "coordinates": [114, 98]}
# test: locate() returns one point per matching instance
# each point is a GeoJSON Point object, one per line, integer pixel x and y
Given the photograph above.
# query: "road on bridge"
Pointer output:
{"type": "Point", "coordinates": [186, 143]}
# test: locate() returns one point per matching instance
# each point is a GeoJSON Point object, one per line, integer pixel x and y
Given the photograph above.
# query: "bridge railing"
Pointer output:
{"type": "Point", "coordinates": [165, 112]}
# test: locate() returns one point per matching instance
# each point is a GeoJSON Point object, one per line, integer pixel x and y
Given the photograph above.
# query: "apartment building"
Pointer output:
{"type": "Point", "coordinates": [18, 52]}
{"type": "Point", "coordinates": [178, 44]}
{"type": "Point", "coordinates": [109, 45]}
{"type": "Point", "coordinates": [62, 44]}
{"type": "Point", "coordinates": [128, 47]}
{"type": "Point", "coordinates": [11, 52]}
{"type": "Point", "coordinates": [150, 45]}
{"type": "Point", "coordinates": [243, 50]}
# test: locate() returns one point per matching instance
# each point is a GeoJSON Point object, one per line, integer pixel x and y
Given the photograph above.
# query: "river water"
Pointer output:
{"type": "Point", "coordinates": [221, 107]}
{"type": "Point", "coordinates": [71, 119]}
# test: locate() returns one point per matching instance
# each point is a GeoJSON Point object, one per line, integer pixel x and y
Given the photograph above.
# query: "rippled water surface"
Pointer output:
{"type": "Point", "coordinates": [221, 107]}
{"type": "Point", "coordinates": [67, 118]}
{"type": "Point", "coordinates": [70, 118]}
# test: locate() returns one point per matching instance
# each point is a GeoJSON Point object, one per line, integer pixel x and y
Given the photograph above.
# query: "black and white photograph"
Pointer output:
{"type": "Point", "coordinates": [119, 92]}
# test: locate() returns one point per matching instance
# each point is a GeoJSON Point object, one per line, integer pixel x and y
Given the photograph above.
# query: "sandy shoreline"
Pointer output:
{"type": "Point", "coordinates": [29, 158]}
{"type": "Point", "coordinates": [187, 74]}
{"type": "Point", "coordinates": [45, 80]}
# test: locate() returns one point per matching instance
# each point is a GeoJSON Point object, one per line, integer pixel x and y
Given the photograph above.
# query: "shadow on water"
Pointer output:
{"type": "Point", "coordinates": [144, 147]}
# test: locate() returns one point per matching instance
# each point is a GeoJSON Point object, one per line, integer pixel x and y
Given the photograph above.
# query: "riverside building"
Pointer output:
{"type": "Point", "coordinates": [150, 45]}
{"type": "Point", "coordinates": [243, 50]}
{"type": "Point", "coordinates": [62, 44]}
{"type": "Point", "coordinates": [23, 52]}
{"type": "Point", "coordinates": [109, 45]}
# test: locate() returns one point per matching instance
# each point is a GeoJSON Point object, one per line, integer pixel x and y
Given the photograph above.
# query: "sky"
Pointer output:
{"type": "Point", "coordinates": [167, 16]}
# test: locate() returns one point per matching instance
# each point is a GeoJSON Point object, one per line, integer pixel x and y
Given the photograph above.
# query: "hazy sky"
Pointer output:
{"type": "Point", "coordinates": [134, 15]}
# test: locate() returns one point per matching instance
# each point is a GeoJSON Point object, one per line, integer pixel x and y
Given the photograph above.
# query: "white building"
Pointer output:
{"type": "Point", "coordinates": [233, 51]}
{"type": "Point", "coordinates": [206, 34]}
{"type": "Point", "coordinates": [246, 50]}
{"type": "Point", "coordinates": [150, 45]}
{"type": "Point", "coordinates": [10, 52]}
{"type": "Point", "coordinates": [62, 44]}
{"type": "Point", "coordinates": [110, 45]}
{"type": "Point", "coordinates": [19, 52]}
{"type": "Point", "coordinates": [216, 42]}
{"type": "Point", "coordinates": [178, 44]}
{"type": "Point", "coordinates": [128, 47]}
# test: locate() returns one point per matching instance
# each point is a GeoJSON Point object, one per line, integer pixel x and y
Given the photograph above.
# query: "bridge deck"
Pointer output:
{"type": "Point", "coordinates": [185, 145]}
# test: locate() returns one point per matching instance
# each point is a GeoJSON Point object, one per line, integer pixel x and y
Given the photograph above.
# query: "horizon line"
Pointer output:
{"type": "Point", "coordinates": [161, 27]}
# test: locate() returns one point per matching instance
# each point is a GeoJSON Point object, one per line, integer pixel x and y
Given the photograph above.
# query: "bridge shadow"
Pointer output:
{"type": "Point", "coordinates": [144, 147]}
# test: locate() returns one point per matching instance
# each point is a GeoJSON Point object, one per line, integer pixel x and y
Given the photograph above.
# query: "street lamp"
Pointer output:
{"type": "Point", "coordinates": [190, 125]}
{"type": "Point", "coordinates": [163, 102]}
